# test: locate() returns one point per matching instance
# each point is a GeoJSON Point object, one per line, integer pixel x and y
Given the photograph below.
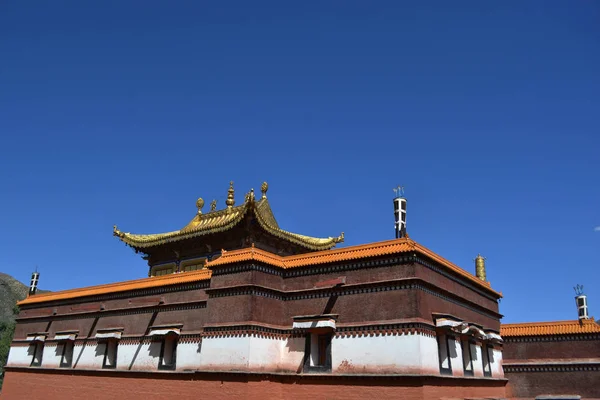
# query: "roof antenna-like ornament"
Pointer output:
{"type": "Point", "coordinates": [213, 205]}
{"type": "Point", "coordinates": [263, 188]}
{"type": "Point", "coordinates": [230, 200]}
{"type": "Point", "coordinates": [578, 290]}
{"type": "Point", "coordinates": [399, 191]}
{"type": "Point", "coordinates": [200, 204]}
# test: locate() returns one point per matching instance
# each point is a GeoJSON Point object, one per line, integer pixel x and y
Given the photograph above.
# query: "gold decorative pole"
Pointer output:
{"type": "Point", "coordinates": [480, 267]}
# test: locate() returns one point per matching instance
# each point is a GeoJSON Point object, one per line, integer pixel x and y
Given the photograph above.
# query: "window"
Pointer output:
{"type": "Point", "coordinates": [66, 358]}
{"type": "Point", "coordinates": [38, 352]}
{"type": "Point", "coordinates": [164, 271]}
{"type": "Point", "coordinates": [444, 354]}
{"type": "Point", "coordinates": [318, 352]}
{"type": "Point", "coordinates": [168, 352]}
{"type": "Point", "coordinates": [110, 354]}
{"type": "Point", "coordinates": [194, 267]}
{"type": "Point", "coordinates": [486, 357]}
{"type": "Point", "coordinates": [467, 355]}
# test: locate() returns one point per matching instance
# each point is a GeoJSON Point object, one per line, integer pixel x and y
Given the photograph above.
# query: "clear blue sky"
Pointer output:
{"type": "Point", "coordinates": [125, 112]}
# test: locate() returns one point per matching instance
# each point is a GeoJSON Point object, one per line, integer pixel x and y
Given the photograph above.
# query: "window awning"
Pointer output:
{"type": "Point", "coordinates": [109, 335]}
{"type": "Point", "coordinates": [36, 338]}
{"type": "Point", "coordinates": [450, 323]}
{"type": "Point", "coordinates": [494, 337]}
{"type": "Point", "coordinates": [314, 321]}
{"type": "Point", "coordinates": [164, 331]}
{"type": "Point", "coordinates": [65, 336]}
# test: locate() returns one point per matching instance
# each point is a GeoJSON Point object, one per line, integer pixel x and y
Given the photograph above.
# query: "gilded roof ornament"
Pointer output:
{"type": "Point", "coordinates": [223, 220]}
{"type": "Point", "coordinates": [230, 200]}
{"type": "Point", "coordinates": [263, 188]}
{"type": "Point", "coordinates": [200, 204]}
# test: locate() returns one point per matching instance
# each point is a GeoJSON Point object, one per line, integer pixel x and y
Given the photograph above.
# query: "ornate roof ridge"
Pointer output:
{"type": "Point", "coordinates": [144, 283]}
{"type": "Point", "coordinates": [222, 220]}
{"type": "Point", "coordinates": [552, 323]}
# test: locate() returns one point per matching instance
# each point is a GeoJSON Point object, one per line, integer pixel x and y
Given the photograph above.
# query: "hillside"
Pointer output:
{"type": "Point", "coordinates": [11, 291]}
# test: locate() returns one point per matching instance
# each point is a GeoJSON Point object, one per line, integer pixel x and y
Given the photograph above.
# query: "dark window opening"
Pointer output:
{"type": "Point", "coordinates": [38, 352]}
{"type": "Point", "coordinates": [66, 357]}
{"type": "Point", "coordinates": [404, 206]}
{"type": "Point", "coordinates": [467, 358]}
{"type": "Point", "coordinates": [486, 357]}
{"type": "Point", "coordinates": [111, 348]}
{"type": "Point", "coordinates": [444, 354]}
{"type": "Point", "coordinates": [317, 356]}
{"type": "Point", "coordinates": [168, 353]}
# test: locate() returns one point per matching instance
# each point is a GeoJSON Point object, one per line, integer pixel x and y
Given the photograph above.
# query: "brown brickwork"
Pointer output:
{"type": "Point", "coordinates": [50, 385]}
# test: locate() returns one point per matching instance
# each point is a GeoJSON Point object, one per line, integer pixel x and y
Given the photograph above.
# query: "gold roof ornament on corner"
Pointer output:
{"type": "Point", "coordinates": [223, 220]}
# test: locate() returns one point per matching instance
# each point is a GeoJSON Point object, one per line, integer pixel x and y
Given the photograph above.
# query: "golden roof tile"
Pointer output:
{"type": "Point", "coordinates": [223, 220]}
{"type": "Point", "coordinates": [145, 283]}
{"type": "Point", "coordinates": [550, 328]}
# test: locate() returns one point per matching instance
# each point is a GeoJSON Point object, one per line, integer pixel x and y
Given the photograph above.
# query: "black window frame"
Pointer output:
{"type": "Point", "coordinates": [64, 364]}
{"type": "Point", "coordinates": [445, 371]}
{"type": "Point", "coordinates": [161, 365]}
{"type": "Point", "coordinates": [326, 367]}
{"type": "Point", "coordinates": [106, 347]}
{"type": "Point", "coordinates": [40, 345]}
{"type": "Point", "coordinates": [468, 344]}
{"type": "Point", "coordinates": [486, 348]}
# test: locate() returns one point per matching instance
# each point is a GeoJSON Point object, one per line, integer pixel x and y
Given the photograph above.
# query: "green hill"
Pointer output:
{"type": "Point", "coordinates": [11, 291]}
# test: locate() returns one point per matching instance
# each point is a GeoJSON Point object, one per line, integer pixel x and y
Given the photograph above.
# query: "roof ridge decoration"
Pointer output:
{"type": "Point", "coordinates": [222, 220]}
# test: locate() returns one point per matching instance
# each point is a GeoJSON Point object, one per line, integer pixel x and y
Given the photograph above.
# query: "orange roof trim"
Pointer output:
{"type": "Point", "coordinates": [550, 328]}
{"type": "Point", "coordinates": [396, 246]}
{"type": "Point", "coordinates": [145, 283]}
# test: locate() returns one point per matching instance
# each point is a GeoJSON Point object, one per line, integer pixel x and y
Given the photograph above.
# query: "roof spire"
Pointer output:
{"type": "Point", "coordinates": [263, 188]}
{"type": "Point", "coordinates": [230, 200]}
{"type": "Point", "coordinates": [213, 205]}
{"type": "Point", "coordinates": [200, 204]}
{"type": "Point", "coordinates": [480, 267]}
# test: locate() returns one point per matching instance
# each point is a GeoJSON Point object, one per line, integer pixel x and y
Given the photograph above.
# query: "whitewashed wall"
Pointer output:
{"type": "Point", "coordinates": [408, 354]}
{"type": "Point", "coordinates": [20, 356]}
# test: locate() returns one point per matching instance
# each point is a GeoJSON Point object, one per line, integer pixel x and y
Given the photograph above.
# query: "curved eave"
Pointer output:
{"type": "Point", "coordinates": [224, 220]}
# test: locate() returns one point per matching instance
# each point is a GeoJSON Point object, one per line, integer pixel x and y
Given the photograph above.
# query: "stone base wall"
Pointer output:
{"type": "Point", "coordinates": [530, 384]}
{"type": "Point", "coordinates": [100, 385]}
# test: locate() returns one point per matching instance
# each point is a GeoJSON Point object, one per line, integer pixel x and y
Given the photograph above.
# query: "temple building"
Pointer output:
{"type": "Point", "coordinates": [236, 307]}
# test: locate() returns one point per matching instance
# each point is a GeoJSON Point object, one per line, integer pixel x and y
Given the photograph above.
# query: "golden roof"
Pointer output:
{"type": "Point", "coordinates": [550, 328]}
{"type": "Point", "coordinates": [223, 220]}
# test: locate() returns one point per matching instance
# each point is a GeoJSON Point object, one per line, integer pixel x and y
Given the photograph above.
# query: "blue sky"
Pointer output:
{"type": "Point", "coordinates": [125, 112]}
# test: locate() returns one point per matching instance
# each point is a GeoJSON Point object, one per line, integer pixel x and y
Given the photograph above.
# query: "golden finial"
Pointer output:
{"type": "Point", "coordinates": [213, 205]}
{"type": "Point", "coordinates": [263, 188]}
{"type": "Point", "coordinates": [230, 200]}
{"type": "Point", "coordinates": [200, 204]}
{"type": "Point", "coordinates": [249, 196]}
{"type": "Point", "coordinates": [480, 267]}
{"type": "Point", "coordinates": [117, 232]}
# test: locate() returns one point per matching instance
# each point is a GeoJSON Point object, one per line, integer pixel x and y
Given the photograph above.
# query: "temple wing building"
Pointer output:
{"type": "Point", "coordinates": [236, 307]}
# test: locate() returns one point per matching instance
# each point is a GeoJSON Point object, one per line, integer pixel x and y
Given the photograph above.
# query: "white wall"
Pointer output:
{"type": "Point", "coordinates": [408, 354]}
{"type": "Point", "coordinates": [189, 356]}
{"type": "Point", "coordinates": [20, 356]}
{"type": "Point", "coordinates": [477, 360]}
{"type": "Point", "coordinates": [225, 353]}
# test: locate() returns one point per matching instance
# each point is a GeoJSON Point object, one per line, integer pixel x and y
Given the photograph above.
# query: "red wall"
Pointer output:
{"type": "Point", "coordinates": [50, 385]}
